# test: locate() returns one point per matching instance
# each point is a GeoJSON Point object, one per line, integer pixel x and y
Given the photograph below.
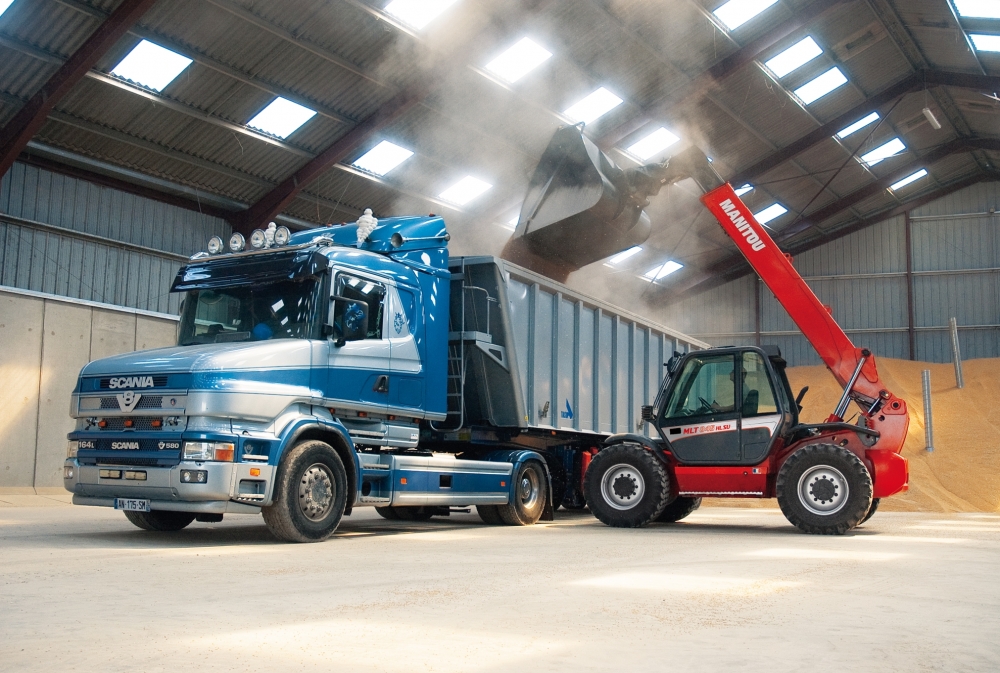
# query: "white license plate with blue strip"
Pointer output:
{"type": "Point", "coordinates": [132, 504]}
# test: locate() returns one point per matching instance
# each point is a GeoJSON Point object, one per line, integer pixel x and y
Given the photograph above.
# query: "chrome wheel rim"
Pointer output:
{"type": "Point", "coordinates": [823, 490]}
{"type": "Point", "coordinates": [316, 492]}
{"type": "Point", "coordinates": [528, 489]}
{"type": "Point", "coordinates": [622, 486]}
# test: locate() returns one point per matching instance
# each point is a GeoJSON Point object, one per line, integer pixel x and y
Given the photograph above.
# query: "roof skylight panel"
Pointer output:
{"type": "Point", "coordinates": [382, 158]}
{"type": "Point", "coordinates": [5, 5]}
{"type": "Point", "coordinates": [816, 88]}
{"type": "Point", "coordinates": [663, 270]}
{"type": "Point", "coordinates": [740, 191]}
{"type": "Point", "coordinates": [151, 65]}
{"type": "Point", "coordinates": [858, 125]}
{"type": "Point", "coordinates": [737, 12]}
{"type": "Point", "coordinates": [794, 57]}
{"type": "Point", "coordinates": [978, 9]}
{"type": "Point", "coordinates": [772, 212]}
{"type": "Point", "coordinates": [281, 117]}
{"type": "Point", "coordinates": [623, 255]}
{"type": "Point", "coordinates": [417, 13]}
{"type": "Point", "coordinates": [985, 42]}
{"type": "Point", "coordinates": [908, 179]}
{"type": "Point", "coordinates": [519, 60]}
{"type": "Point", "coordinates": [883, 151]}
{"type": "Point", "coordinates": [653, 144]}
{"type": "Point", "coordinates": [593, 106]}
{"type": "Point", "coordinates": [465, 190]}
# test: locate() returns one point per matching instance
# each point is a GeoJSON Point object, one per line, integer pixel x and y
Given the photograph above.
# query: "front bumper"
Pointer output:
{"type": "Point", "coordinates": [229, 487]}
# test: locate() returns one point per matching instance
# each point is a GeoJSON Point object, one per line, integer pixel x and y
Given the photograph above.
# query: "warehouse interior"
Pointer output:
{"type": "Point", "coordinates": [862, 135]}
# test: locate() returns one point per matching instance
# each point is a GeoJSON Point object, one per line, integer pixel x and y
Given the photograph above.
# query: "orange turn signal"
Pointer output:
{"type": "Point", "coordinates": [225, 452]}
{"type": "Point", "coordinates": [254, 471]}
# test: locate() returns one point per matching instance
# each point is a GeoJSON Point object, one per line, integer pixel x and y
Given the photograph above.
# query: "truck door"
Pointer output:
{"type": "Point", "coordinates": [359, 370]}
{"type": "Point", "coordinates": [701, 416]}
{"type": "Point", "coordinates": [406, 382]}
{"type": "Point", "coordinates": [760, 414]}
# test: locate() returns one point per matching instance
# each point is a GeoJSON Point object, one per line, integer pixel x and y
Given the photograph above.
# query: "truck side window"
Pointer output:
{"type": "Point", "coordinates": [364, 290]}
{"type": "Point", "coordinates": [758, 397]}
{"type": "Point", "coordinates": [706, 386]}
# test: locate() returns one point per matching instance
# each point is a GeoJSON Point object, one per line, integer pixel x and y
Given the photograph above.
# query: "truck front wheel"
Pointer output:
{"type": "Point", "coordinates": [309, 495]}
{"type": "Point", "coordinates": [160, 520]}
{"type": "Point", "coordinates": [626, 486]}
{"type": "Point", "coordinates": [824, 489]}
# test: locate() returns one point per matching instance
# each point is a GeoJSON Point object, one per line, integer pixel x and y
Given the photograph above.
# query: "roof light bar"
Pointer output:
{"type": "Point", "coordinates": [653, 144]}
{"type": "Point", "coordinates": [593, 106]}
{"type": "Point", "coordinates": [772, 212]}
{"type": "Point", "coordinates": [662, 271]}
{"type": "Point", "coordinates": [281, 117]}
{"type": "Point", "coordinates": [794, 57]}
{"type": "Point", "coordinates": [858, 125]}
{"type": "Point", "coordinates": [740, 191]}
{"type": "Point", "coordinates": [149, 64]}
{"type": "Point", "coordinates": [382, 158]}
{"type": "Point", "coordinates": [820, 86]}
{"type": "Point", "coordinates": [985, 42]}
{"type": "Point", "coordinates": [623, 255]}
{"type": "Point", "coordinates": [883, 151]}
{"type": "Point", "coordinates": [465, 190]}
{"type": "Point", "coordinates": [737, 12]}
{"type": "Point", "coordinates": [518, 61]}
{"type": "Point", "coordinates": [417, 13]}
{"type": "Point", "coordinates": [908, 179]}
{"type": "Point", "coordinates": [978, 9]}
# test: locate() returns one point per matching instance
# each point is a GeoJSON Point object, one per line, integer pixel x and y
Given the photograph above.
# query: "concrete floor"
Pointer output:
{"type": "Point", "coordinates": [729, 589]}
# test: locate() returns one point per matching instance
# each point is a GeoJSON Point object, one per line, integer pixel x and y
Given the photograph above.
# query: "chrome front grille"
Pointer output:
{"type": "Point", "coordinates": [145, 402]}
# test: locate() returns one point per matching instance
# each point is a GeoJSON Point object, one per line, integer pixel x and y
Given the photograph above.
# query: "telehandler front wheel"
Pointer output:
{"type": "Point", "coordinates": [824, 489]}
{"type": "Point", "coordinates": [310, 494]}
{"type": "Point", "coordinates": [626, 486]}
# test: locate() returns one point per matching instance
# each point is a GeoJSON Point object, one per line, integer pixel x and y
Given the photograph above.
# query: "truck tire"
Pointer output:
{"type": "Point", "coordinates": [160, 520]}
{"type": "Point", "coordinates": [310, 494]}
{"type": "Point", "coordinates": [871, 510]}
{"type": "Point", "coordinates": [678, 509]}
{"type": "Point", "coordinates": [626, 486]}
{"type": "Point", "coordinates": [824, 489]}
{"type": "Point", "coordinates": [387, 513]}
{"type": "Point", "coordinates": [489, 514]}
{"type": "Point", "coordinates": [531, 490]}
{"type": "Point", "coordinates": [414, 513]}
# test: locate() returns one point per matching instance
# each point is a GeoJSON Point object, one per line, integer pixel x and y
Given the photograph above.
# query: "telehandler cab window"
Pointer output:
{"type": "Point", "coordinates": [706, 386]}
{"type": "Point", "coordinates": [758, 396]}
{"type": "Point", "coordinates": [364, 290]}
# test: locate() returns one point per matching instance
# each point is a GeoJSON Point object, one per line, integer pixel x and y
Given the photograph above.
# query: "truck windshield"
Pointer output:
{"type": "Point", "coordinates": [285, 310]}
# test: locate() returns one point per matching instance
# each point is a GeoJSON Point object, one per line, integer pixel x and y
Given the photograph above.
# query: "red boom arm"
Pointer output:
{"type": "Point", "coordinates": [883, 411]}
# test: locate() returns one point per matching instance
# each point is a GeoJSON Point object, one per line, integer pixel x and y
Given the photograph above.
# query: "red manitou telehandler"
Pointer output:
{"type": "Point", "coordinates": [726, 420]}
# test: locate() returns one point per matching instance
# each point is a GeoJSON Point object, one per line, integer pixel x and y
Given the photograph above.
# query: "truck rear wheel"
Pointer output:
{"type": "Point", "coordinates": [387, 513]}
{"type": "Point", "coordinates": [490, 514]}
{"type": "Point", "coordinates": [531, 490]}
{"type": "Point", "coordinates": [626, 486]}
{"type": "Point", "coordinates": [309, 495]}
{"type": "Point", "coordinates": [678, 509]}
{"type": "Point", "coordinates": [824, 489]}
{"type": "Point", "coordinates": [160, 520]}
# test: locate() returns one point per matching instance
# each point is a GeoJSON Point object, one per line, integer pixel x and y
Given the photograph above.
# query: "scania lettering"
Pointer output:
{"type": "Point", "coordinates": [327, 373]}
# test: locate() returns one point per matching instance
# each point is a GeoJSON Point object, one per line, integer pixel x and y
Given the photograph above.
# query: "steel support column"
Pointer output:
{"type": "Point", "coordinates": [25, 124]}
{"type": "Point", "coordinates": [910, 321]}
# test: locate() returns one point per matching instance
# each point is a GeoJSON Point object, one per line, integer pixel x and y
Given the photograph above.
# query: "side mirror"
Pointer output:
{"type": "Point", "coordinates": [350, 320]}
{"type": "Point", "coordinates": [798, 398]}
{"type": "Point", "coordinates": [646, 412]}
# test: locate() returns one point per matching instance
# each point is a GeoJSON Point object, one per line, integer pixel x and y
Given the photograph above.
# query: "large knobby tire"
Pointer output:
{"type": "Point", "coordinates": [626, 486]}
{"type": "Point", "coordinates": [310, 494]}
{"type": "Point", "coordinates": [678, 509]}
{"type": "Point", "coordinates": [531, 490]}
{"type": "Point", "coordinates": [824, 489]}
{"type": "Point", "coordinates": [490, 514]}
{"type": "Point", "coordinates": [871, 510]}
{"type": "Point", "coordinates": [160, 520]}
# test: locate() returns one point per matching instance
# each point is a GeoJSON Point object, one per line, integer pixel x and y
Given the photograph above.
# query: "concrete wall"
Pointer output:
{"type": "Point", "coordinates": [44, 341]}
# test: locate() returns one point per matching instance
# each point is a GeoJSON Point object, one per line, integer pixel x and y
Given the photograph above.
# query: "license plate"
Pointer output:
{"type": "Point", "coordinates": [132, 504]}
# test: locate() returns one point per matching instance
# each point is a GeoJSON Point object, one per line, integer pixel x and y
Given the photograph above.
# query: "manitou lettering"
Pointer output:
{"type": "Point", "coordinates": [742, 225]}
{"type": "Point", "coordinates": [131, 382]}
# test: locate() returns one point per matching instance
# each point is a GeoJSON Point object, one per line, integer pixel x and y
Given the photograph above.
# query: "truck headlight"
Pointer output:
{"type": "Point", "coordinates": [71, 448]}
{"type": "Point", "coordinates": [216, 451]}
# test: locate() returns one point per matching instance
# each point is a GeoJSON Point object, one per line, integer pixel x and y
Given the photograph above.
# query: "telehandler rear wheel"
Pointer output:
{"type": "Point", "coordinates": [626, 486]}
{"type": "Point", "coordinates": [310, 494]}
{"type": "Point", "coordinates": [160, 520]}
{"type": "Point", "coordinates": [824, 489]}
{"type": "Point", "coordinates": [678, 509]}
{"type": "Point", "coordinates": [871, 510]}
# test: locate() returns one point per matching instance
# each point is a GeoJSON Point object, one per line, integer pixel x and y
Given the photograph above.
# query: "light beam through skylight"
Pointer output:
{"type": "Point", "coordinates": [518, 61]}
{"type": "Point", "coordinates": [663, 270]}
{"type": "Point", "coordinates": [858, 125]}
{"type": "Point", "coordinates": [817, 88]}
{"type": "Point", "coordinates": [465, 190]}
{"type": "Point", "coordinates": [653, 144]}
{"type": "Point", "coordinates": [382, 158]}
{"type": "Point", "coordinates": [151, 65]}
{"type": "Point", "coordinates": [986, 42]}
{"type": "Point", "coordinates": [417, 13]}
{"type": "Point", "coordinates": [773, 211]}
{"type": "Point", "coordinates": [978, 9]}
{"type": "Point", "coordinates": [623, 255]}
{"type": "Point", "coordinates": [5, 5]}
{"type": "Point", "coordinates": [737, 12]}
{"type": "Point", "coordinates": [593, 106]}
{"type": "Point", "coordinates": [740, 191]}
{"type": "Point", "coordinates": [281, 117]}
{"type": "Point", "coordinates": [908, 179]}
{"type": "Point", "coordinates": [794, 57]}
{"type": "Point", "coordinates": [884, 151]}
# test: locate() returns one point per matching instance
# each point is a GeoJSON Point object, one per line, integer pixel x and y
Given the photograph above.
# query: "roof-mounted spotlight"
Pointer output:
{"type": "Point", "coordinates": [237, 243]}
{"type": "Point", "coordinates": [215, 245]}
{"type": "Point", "coordinates": [258, 240]}
{"type": "Point", "coordinates": [282, 236]}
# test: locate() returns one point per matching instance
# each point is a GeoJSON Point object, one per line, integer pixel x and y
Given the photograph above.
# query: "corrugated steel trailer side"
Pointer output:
{"type": "Point", "coordinates": [527, 352]}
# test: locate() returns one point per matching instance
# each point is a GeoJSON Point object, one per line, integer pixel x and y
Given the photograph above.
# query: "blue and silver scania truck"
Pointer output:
{"type": "Point", "coordinates": [315, 373]}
